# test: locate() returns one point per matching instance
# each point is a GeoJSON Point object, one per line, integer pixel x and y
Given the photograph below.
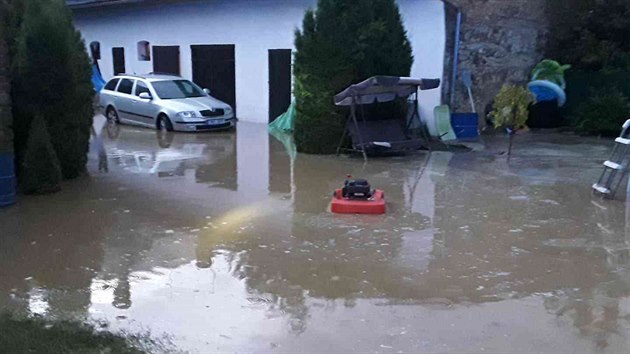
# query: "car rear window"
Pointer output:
{"type": "Point", "coordinates": [125, 86]}
{"type": "Point", "coordinates": [111, 85]}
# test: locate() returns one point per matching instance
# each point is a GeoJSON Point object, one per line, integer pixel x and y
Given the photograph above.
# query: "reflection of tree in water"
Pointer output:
{"type": "Point", "coordinates": [494, 236]}
{"type": "Point", "coordinates": [58, 260]}
{"type": "Point", "coordinates": [513, 234]}
{"type": "Point", "coordinates": [122, 252]}
{"type": "Point", "coordinates": [59, 263]}
{"type": "Point", "coordinates": [596, 310]}
{"type": "Point", "coordinates": [315, 254]}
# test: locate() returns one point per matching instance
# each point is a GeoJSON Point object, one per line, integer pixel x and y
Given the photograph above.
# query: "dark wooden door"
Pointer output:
{"type": "Point", "coordinates": [118, 56]}
{"type": "Point", "coordinates": [166, 59]}
{"type": "Point", "coordinates": [279, 82]}
{"type": "Point", "coordinates": [213, 67]}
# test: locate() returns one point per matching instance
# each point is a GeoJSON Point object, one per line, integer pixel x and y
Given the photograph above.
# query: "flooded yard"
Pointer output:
{"type": "Point", "coordinates": [223, 242]}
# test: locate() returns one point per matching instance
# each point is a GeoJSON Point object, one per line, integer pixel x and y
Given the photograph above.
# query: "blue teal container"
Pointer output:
{"type": "Point", "coordinates": [7, 180]}
{"type": "Point", "coordinates": [465, 125]}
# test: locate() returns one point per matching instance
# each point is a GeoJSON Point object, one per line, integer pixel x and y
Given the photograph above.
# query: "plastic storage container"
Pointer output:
{"type": "Point", "coordinates": [7, 180]}
{"type": "Point", "coordinates": [545, 114]}
{"type": "Point", "coordinates": [465, 125]}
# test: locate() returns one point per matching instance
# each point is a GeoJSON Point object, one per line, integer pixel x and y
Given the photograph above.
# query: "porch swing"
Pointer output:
{"type": "Point", "coordinates": [384, 135]}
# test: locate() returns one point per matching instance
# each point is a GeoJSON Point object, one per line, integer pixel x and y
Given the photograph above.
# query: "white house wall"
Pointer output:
{"type": "Point", "coordinates": [253, 27]}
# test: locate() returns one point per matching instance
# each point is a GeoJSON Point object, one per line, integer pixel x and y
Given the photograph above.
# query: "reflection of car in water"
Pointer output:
{"type": "Point", "coordinates": [166, 154]}
{"type": "Point", "coordinates": [163, 102]}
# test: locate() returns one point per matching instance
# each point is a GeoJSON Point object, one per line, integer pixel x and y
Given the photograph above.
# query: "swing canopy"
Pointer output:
{"type": "Point", "coordinates": [384, 134]}
{"type": "Point", "coordinates": [383, 89]}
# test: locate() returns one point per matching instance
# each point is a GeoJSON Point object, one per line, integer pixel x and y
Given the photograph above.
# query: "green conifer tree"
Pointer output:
{"type": "Point", "coordinates": [40, 168]}
{"type": "Point", "coordinates": [51, 76]}
{"type": "Point", "coordinates": [342, 42]}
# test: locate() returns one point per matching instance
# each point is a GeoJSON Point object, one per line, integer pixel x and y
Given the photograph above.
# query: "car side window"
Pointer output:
{"type": "Point", "coordinates": [111, 85]}
{"type": "Point", "coordinates": [125, 86]}
{"type": "Point", "coordinates": [141, 87]}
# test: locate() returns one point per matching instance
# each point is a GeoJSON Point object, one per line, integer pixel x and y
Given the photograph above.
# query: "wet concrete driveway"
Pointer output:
{"type": "Point", "coordinates": [223, 243]}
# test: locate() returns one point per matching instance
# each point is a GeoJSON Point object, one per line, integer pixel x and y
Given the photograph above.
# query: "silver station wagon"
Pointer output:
{"type": "Point", "coordinates": [163, 102]}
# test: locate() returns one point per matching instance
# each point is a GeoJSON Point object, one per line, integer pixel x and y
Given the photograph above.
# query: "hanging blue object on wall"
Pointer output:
{"type": "Point", "coordinates": [97, 79]}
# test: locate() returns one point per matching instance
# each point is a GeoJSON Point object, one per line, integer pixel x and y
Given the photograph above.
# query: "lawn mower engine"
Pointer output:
{"type": "Point", "coordinates": [357, 197]}
{"type": "Point", "coordinates": [357, 189]}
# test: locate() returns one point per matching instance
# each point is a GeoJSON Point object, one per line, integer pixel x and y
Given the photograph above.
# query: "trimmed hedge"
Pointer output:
{"type": "Point", "coordinates": [603, 114]}
{"type": "Point", "coordinates": [342, 42]}
{"type": "Point", "coordinates": [583, 85]}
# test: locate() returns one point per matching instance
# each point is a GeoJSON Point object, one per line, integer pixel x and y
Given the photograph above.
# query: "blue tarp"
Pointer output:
{"type": "Point", "coordinates": [97, 79]}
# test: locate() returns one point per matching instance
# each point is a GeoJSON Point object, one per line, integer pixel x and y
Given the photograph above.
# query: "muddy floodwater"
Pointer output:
{"type": "Point", "coordinates": [223, 242]}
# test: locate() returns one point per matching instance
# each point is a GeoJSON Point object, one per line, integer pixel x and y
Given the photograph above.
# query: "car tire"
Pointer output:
{"type": "Point", "coordinates": [164, 123]}
{"type": "Point", "coordinates": [112, 115]}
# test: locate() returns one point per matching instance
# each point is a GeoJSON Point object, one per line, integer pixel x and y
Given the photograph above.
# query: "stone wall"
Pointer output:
{"type": "Point", "coordinates": [501, 40]}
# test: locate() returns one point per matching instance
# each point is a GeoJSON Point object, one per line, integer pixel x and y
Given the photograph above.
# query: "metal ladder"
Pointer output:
{"type": "Point", "coordinates": [616, 167]}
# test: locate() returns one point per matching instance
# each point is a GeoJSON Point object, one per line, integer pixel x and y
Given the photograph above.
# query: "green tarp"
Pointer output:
{"type": "Point", "coordinates": [285, 122]}
{"type": "Point", "coordinates": [282, 129]}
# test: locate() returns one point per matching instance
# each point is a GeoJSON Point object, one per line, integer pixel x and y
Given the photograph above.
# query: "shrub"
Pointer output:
{"type": "Point", "coordinates": [40, 170]}
{"type": "Point", "coordinates": [52, 77]}
{"type": "Point", "coordinates": [511, 110]}
{"type": "Point", "coordinates": [38, 335]}
{"type": "Point", "coordinates": [342, 42]}
{"type": "Point", "coordinates": [511, 107]}
{"type": "Point", "coordinates": [582, 85]}
{"type": "Point", "coordinates": [603, 114]}
{"type": "Point", "coordinates": [592, 34]}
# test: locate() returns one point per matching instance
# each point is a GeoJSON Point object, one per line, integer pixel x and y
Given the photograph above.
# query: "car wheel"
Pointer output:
{"type": "Point", "coordinates": [164, 124]}
{"type": "Point", "coordinates": [112, 115]}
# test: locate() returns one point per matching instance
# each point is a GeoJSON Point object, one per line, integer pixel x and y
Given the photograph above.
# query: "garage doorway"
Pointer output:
{"type": "Point", "coordinates": [213, 67]}
{"type": "Point", "coordinates": [166, 59]}
{"type": "Point", "coordinates": [279, 82]}
{"type": "Point", "coordinates": [118, 56]}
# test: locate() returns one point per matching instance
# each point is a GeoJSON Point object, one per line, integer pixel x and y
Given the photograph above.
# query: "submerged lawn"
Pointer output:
{"type": "Point", "coordinates": [33, 335]}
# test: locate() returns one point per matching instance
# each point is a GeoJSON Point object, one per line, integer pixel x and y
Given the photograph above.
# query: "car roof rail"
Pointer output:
{"type": "Point", "coordinates": [130, 75]}
{"type": "Point", "coordinates": [161, 73]}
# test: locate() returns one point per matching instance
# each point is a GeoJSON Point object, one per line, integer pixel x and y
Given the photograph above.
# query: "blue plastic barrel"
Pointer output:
{"type": "Point", "coordinates": [465, 125]}
{"type": "Point", "coordinates": [7, 180]}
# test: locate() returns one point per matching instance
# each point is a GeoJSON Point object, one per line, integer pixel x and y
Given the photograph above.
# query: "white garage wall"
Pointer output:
{"type": "Point", "coordinates": [254, 27]}
{"type": "Point", "coordinates": [424, 21]}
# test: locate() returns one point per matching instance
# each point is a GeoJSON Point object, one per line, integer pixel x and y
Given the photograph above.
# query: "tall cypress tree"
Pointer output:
{"type": "Point", "coordinates": [6, 117]}
{"type": "Point", "coordinates": [342, 42]}
{"type": "Point", "coordinates": [51, 76]}
{"type": "Point", "coordinates": [40, 167]}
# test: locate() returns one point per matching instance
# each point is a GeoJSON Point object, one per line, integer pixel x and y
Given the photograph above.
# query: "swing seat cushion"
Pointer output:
{"type": "Point", "coordinates": [386, 136]}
